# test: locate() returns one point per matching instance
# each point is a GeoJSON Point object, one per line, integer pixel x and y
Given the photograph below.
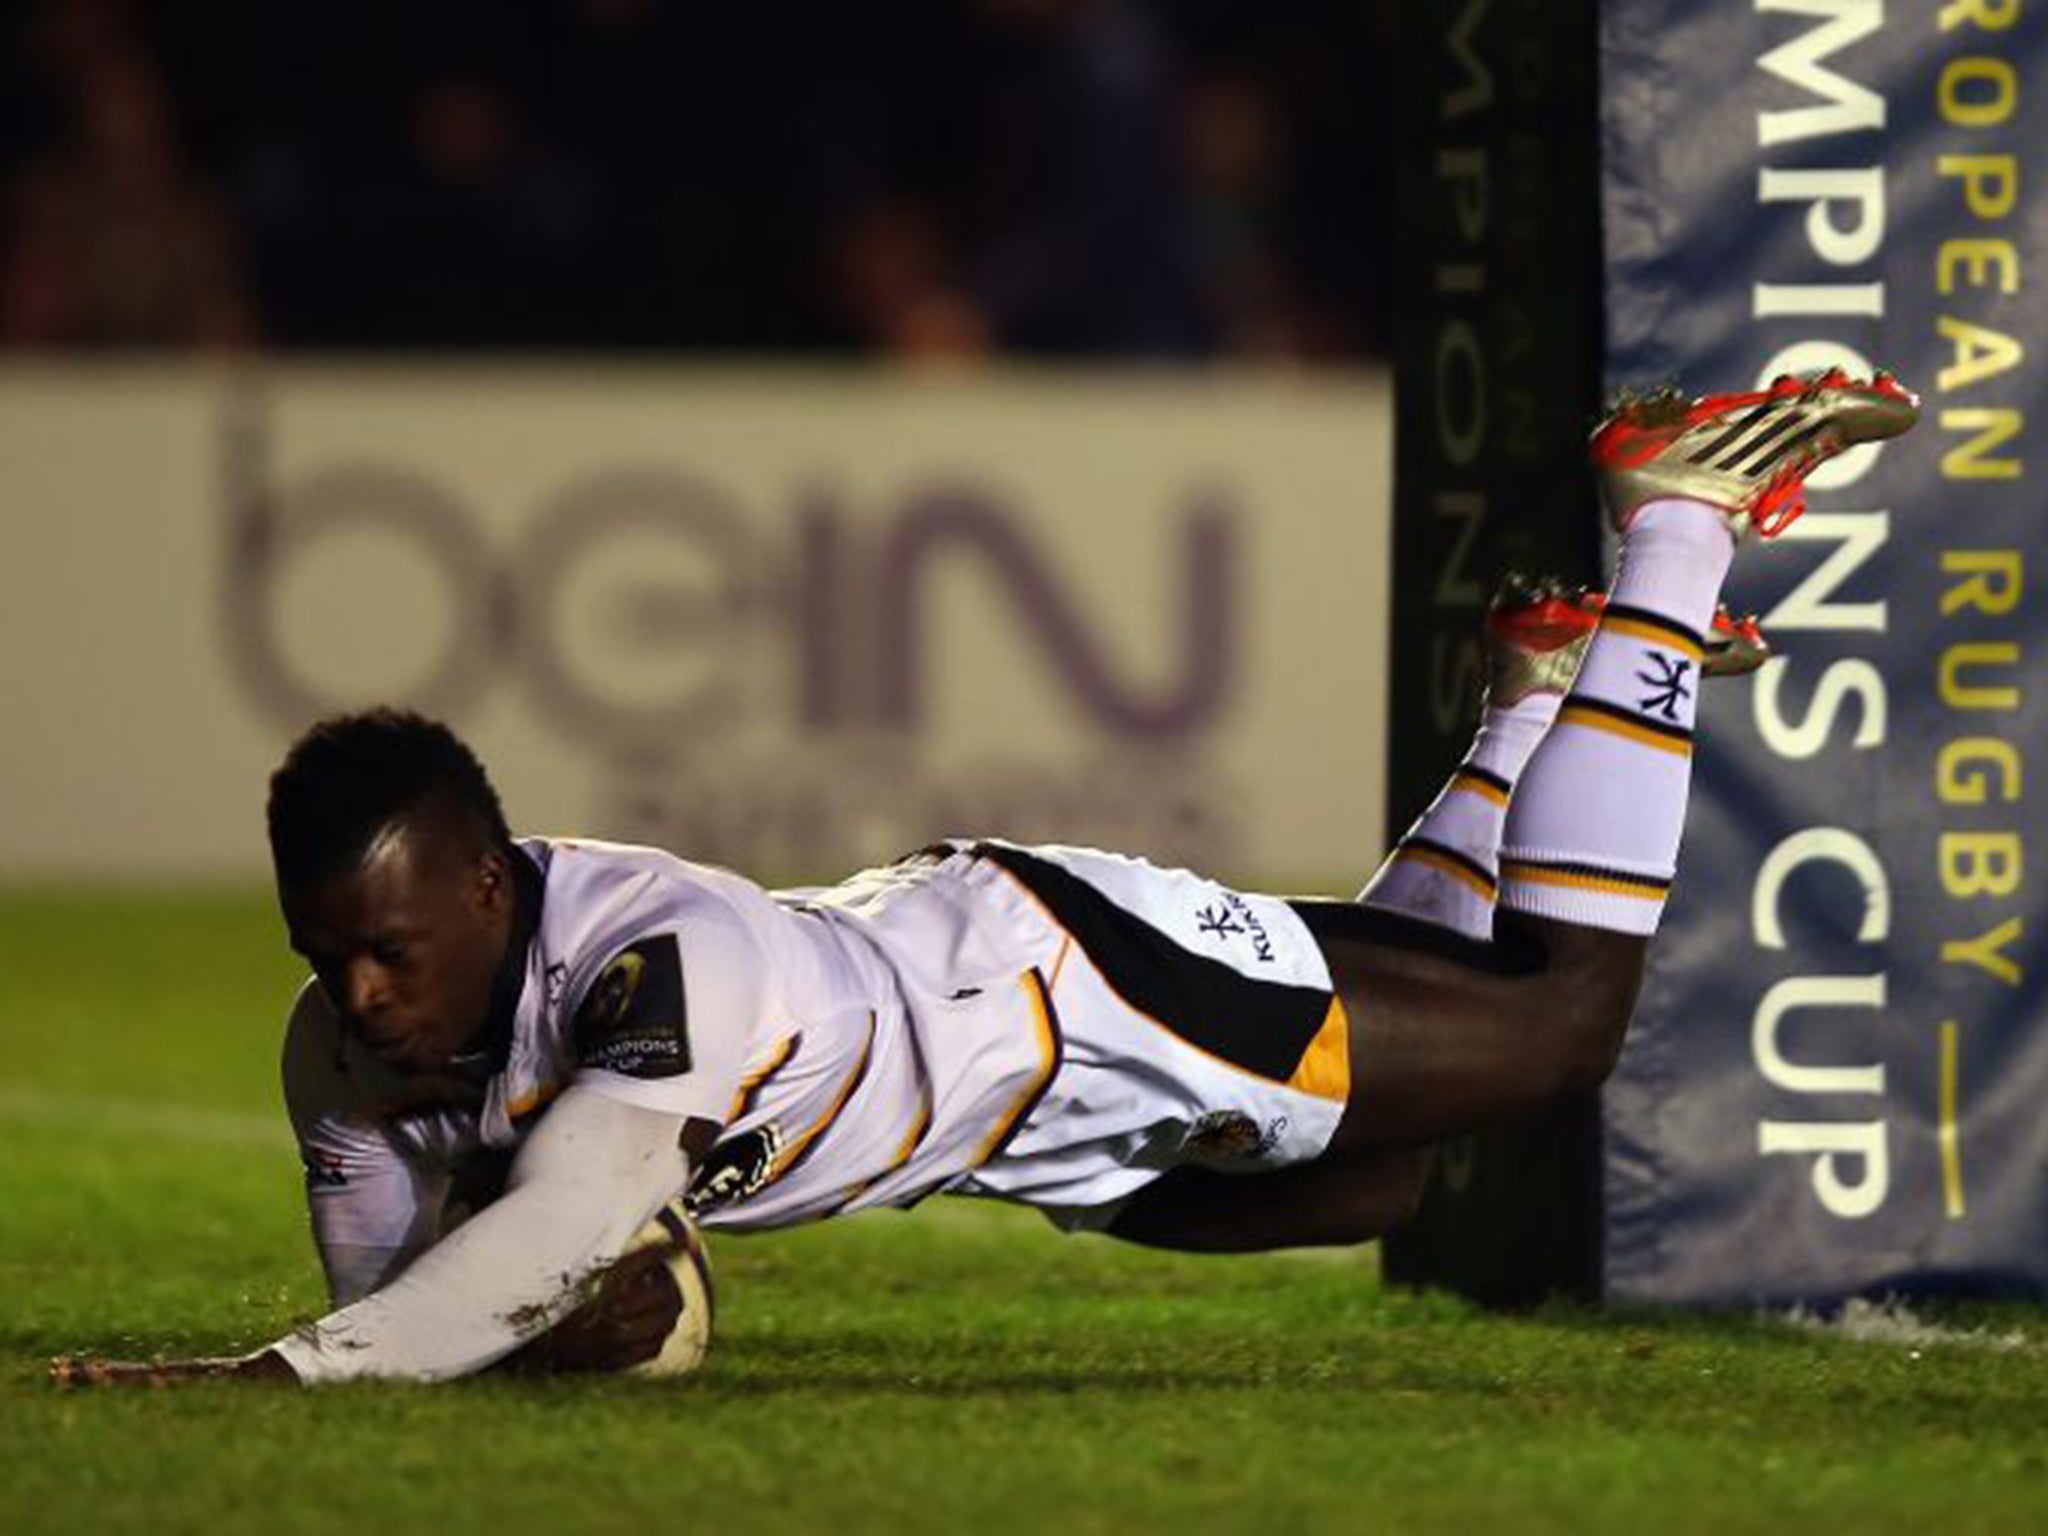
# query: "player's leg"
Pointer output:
{"type": "Point", "coordinates": [1445, 870]}
{"type": "Point", "coordinates": [1591, 835]}
{"type": "Point", "coordinates": [1589, 847]}
{"type": "Point", "coordinates": [1333, 1201]}
{"type": "Point", "coordinates": [1449, 1036]}
{"type": "Point", "coordinates": [1441, 874]}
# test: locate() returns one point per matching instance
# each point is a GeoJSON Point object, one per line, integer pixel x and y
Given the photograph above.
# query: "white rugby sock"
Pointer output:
{"type": "Point", "coordinates": [1592, 835]}
{"type": "Point", "coordinates": [1446, 869]}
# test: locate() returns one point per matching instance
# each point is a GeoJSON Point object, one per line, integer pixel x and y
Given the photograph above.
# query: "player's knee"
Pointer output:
{"type": "Point", "coordinates": [1595, 1023]}
{"type": "Point", "coordinates": [1593, 1046]}
{"type": "Point", "coordinates": [1591, 994]}
{"type": "Point", "coordinates": [1571, 1047]}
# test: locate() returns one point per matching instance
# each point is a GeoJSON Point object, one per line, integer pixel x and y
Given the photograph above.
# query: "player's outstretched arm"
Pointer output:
{"type": "Point", "coordinates": [592, 1174]}
{"type": "Point", "coordinates": [90, 1371]}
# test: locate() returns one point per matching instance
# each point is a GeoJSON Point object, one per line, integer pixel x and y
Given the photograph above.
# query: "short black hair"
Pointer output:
{"type": "Point", "coordinates": [350, 776]}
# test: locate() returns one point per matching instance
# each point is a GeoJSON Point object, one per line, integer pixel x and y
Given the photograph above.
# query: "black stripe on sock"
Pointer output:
{"type": "Point", "coordinates": [1655, 621]}
{"type": "Point", "coordinates": [1464, 861]}
{"type": "Point", "coordinates": [1649, 884]}
{"type": "Point", "coordinates": [1467, 771]}
{"type": "Point", "coordinates": [1627, 716]}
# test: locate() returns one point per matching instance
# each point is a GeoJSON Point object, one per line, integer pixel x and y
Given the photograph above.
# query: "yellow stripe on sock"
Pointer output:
{"type": "Point", "coordinates": [1641, 735]}
{"type": "Point", "coordinates": [1656, 634]}
{"type": "Point", "coordinates": [1606, 885]}
{"type": "Point", "coordinates": [1480, 787]}
{"type": "Point", "coordinates": [1442, 865]}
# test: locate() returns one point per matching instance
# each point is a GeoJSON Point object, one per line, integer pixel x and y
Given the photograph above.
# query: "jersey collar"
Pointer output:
{"type": "Point", "coordinates": [529, 891]}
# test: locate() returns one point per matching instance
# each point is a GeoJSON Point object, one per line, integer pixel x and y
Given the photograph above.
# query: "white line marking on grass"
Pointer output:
{"type": "Point", "coordinates": [1893, 1322]}
{"type": "Point", "coordinates": [110, 1116]}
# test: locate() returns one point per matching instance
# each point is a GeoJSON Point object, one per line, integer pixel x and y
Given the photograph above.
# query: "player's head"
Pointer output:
{"type": "Point", "coordinates": [394, 872]}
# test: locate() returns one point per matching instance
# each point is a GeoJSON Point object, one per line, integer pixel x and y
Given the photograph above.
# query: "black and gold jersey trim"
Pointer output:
{"type": "Point", "coordinates": [749, 1090]}
{"type": "Point", "coordinates": [527, 1105]}
{"type": "Point", "coordinates": [913, 1139]}
{"type": "Point", "coordinates": [1052, 1050]}
{"type": "Point", "coordinates": [1262, 1027]}
{"type": "Point", "coordinates": [800, 1149]}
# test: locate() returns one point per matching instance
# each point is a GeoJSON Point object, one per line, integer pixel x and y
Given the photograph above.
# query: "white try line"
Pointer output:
{"type": "Point", "coordinates": [1893, 1322]}
{"type": "Point", "coordinates": [107, 1115]}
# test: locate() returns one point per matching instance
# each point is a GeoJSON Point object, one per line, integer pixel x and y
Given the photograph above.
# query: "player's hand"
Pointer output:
{"type": "Point", "coordinates": [94, 1371]}
{"type": "Point", "coordinates": [635, 1308]}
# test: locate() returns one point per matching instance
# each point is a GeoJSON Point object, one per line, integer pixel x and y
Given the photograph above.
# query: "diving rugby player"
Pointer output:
{"type": "Point", "coordinates": [561, 1038]}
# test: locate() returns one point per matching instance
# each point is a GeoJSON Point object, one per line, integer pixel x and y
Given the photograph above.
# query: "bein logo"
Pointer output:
{"type": "Point", "coordinates": [772, 685]}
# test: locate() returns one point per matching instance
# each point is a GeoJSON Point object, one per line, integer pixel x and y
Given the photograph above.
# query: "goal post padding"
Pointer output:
{"type": "Point", "coordinates": [1497, 374]}
{"type": "Point", "coordinates": [1833, 1083]}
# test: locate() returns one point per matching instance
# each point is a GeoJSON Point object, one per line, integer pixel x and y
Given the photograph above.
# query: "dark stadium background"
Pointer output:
{"type": "Point", "coordinates": [569, 340]}
{"type": "Point", "coordinates": [1048, 178]}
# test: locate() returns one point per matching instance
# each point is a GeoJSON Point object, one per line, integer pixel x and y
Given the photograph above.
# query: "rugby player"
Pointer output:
{"type": "Point", "coordinates": [566, 1037]}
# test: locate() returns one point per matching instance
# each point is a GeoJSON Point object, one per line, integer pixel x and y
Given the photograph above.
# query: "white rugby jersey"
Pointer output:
{"type": "Point", "coordinates": [1048, 1025]}
{"type": "Point", "coordinates": [859, 1044]}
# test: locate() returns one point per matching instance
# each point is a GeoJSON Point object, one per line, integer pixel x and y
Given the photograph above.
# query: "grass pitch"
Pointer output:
{"type": "Point", "coordinates": [960, 1368]}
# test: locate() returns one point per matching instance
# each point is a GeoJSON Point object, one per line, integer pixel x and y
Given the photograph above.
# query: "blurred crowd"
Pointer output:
{"type": "Point", "coordinates": [923, 178]}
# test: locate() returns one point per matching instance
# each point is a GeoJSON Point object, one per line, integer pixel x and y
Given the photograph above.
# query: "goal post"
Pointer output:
{"type": "Point", "coordinates": [1832, 1084]}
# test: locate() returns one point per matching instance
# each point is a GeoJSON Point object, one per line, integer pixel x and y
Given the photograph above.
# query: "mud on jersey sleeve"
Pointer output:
{"type": "Point", "coordinates": [584, 1182]}
{"type": "Point", "coordinates": [668, 1019]}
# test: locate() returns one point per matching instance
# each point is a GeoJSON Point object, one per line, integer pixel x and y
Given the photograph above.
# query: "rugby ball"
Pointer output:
{"type": "Point", "coordinates": [684, 1349]}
